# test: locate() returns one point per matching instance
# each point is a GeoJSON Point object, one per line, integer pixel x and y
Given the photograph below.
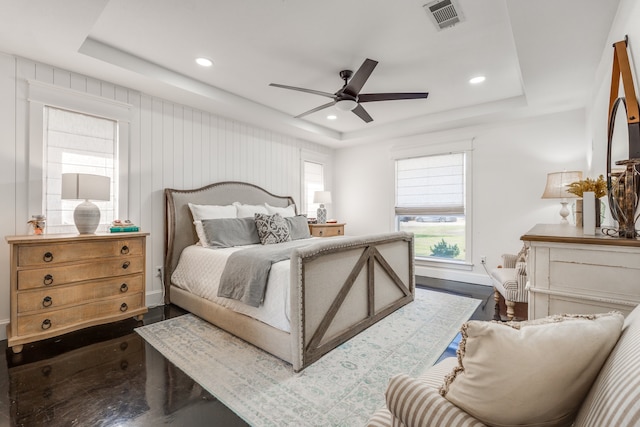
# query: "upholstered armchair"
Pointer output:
{"type": "Point", "coordinates": [510, 285]}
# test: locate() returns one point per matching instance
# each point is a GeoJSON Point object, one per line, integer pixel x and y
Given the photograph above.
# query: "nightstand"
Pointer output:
{"type": "Point", "coordinates": [65, 282]}
{"type": "Point", "coordinates": [326, 230]}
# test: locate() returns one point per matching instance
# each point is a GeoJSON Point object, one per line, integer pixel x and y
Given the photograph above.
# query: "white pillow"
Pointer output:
{"type": "Point", "coordinates": [200, 212]}
{"type": "Point", "coordinates": [287, 212]}
{"type": "Point", "coordinates": [533, 373]}
{"type": "Point", "coordinates": [245, 211]}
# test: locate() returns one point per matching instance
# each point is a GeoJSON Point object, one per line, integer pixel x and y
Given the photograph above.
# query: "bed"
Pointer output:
{"type": "Point", "coordinates": [337, 287]}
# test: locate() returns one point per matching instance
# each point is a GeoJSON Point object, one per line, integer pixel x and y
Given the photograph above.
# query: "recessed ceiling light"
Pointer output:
{"type": "Point", "coordinates": [477, 79]}
{"type": "Point", "coordinates": [332, 117]}
{"type": "Point", "coordinates": [205, 62]}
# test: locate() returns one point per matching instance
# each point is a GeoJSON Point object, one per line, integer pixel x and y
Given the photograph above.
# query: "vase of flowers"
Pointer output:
{"type": "Point", "coordinates": [597, 186]}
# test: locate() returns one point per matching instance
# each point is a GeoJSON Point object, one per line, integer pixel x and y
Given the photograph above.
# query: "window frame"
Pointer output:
{"type": "Point", "coordinates": [318, 158]}
{"type": "Point", "coordinates": [456, 147]}
{"type": "Point", "coordinates": [41, 95]}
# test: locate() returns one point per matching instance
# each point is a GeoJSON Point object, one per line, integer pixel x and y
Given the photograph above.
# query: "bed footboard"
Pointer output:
{"type": "Point", "coordinates": [343, 286]}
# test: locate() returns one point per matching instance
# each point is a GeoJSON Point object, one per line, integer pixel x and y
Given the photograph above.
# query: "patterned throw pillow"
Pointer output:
{"type": "Point", "coordinates": [272, 228]}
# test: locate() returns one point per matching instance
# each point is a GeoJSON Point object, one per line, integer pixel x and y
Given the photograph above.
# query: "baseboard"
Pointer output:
{"type": "Point", "coordinates": [154, 298]}
{"type": "Point", "coordinates": [3, 329]}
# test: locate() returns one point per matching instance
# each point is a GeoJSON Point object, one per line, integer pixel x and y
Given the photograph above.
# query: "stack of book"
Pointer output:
{"type": "Point", "coordinates": [119, 226]}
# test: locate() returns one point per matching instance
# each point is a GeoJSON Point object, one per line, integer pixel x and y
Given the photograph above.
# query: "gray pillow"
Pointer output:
{"type": "Point", "coordinates": [298, 227]}
{"type": "Point", "coordinates": [272, 228]}
{"type": "Point", "coordinates": [229, 232]}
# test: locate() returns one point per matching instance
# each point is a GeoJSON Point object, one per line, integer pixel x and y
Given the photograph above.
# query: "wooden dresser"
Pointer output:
{"type": "Point", "coordinates": [326, 230]}
{"type": "Point", "coordinates": [61, 283]}
{"type": "Point", "coordinates": [569, 272]}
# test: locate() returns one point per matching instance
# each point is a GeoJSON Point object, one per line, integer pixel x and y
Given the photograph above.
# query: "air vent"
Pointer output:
{"type": "Point", "coordinates": [444, 13]}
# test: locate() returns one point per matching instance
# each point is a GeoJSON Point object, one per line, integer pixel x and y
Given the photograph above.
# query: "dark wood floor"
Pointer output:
{"type": "Point", "coordinates": [109, 376]}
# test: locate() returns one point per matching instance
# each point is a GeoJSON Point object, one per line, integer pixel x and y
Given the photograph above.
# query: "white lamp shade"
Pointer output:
{"type": "Point", "coordinates": [85, 186]}
{"type": "Point", "coordinates": [86, 216]}
{"type": "Point", "coordinates": [322, 197]}
{"type": "Point", "coordinates": [558, 183]}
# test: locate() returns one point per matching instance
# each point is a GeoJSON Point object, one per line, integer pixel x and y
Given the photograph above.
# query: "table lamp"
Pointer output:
{"type": "Point", "coordinates": [86, 186]}
{"type": "Point", "coordinates": [322, 197]}
{"type": "Point", "coordinates": [557, 185]}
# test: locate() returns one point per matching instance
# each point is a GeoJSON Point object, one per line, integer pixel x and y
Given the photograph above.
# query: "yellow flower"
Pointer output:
{"type": "Point", "coordinates": [598, 186]}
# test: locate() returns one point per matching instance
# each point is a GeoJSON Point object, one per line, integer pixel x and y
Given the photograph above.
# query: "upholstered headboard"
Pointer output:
{"type": "Point", "coordinates": [179, 229]}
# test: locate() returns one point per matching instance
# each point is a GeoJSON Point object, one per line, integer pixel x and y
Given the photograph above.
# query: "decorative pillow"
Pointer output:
{"type": "Point", "coordinates": [272, 228]}
{"type": "Point", "coordinates": [287, 212]}
{"type": "Point", "coordinates": [200, 212]}
{"type": "Point", "coordinates": [298, 227]}
{"type": "Point", "coordinates": [530, 373]}
{"type": "Point", "coordinates": [229, 232]}
{"type": "Point", "coordinates": [245, 211]}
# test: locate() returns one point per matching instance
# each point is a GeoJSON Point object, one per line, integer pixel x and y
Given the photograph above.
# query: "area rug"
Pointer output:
{"type": "Point", "coordinates": [343, 388]}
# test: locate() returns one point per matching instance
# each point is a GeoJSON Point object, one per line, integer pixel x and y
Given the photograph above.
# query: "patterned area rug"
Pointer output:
{"type": "Point", "coordinates": [341, 389]}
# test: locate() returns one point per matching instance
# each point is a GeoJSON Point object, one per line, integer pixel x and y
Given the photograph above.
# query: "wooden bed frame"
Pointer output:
{"type": "Point", "coordinates": [339, 286]}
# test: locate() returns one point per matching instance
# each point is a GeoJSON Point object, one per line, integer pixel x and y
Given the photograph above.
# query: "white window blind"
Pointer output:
{"type": "Point", "coordinates": [313, 181]}
{"type": "Point", "coordinates": [77, 143]}
{"type": "Point", "coordinates": [430, 185]}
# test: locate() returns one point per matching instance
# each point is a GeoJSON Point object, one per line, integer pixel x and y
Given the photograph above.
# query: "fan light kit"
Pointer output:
{"type": "Point", "coordinates": [348, 98]}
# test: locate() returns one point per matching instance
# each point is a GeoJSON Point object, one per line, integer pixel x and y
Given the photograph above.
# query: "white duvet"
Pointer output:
{"type": "Point", "coordinates": [199, 271]}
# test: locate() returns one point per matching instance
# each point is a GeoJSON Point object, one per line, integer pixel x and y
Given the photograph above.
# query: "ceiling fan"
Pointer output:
{"type": "Point", "coordinates": [349, 98]}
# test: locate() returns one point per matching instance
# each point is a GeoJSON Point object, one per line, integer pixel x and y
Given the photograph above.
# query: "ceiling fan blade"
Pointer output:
{"type": "Point", "coordinates": [301, 89]}
{"type": "Point", "coordinates": [360, 77]}
{"type": "Point", "coordinates": [322, 107]}
{"type": "Point", "coordinates": [369, 97]}
{"type": "Point", "coordinates": [362, 113]}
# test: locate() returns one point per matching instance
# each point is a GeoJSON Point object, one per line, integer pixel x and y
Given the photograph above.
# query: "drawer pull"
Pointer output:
{"type": "Point", "coordinates": [48, 257]}
{"type": "Point", "coordinates": [124, 287]}
{"type": "Point", "coordinates": [321, 232]}
{"type": "Point", "coordinates": [123, 307]}
{"type": "Point", "coordinates": [48, 279]}
{"type": "Point", "coordinates": [124, 250]}
{"type": "Point", "coordinates": [124, 365]}
{"type": "Point", "coordinates": [46, 370]}
{"type": "Point", "coordinates": [126, 264]}
{"type": "Point", "coordinates": [47, 301]}
{"type": "Point", "coordinates": [124, 346]}
{"type": "Point", "coordinates": [46, 324]}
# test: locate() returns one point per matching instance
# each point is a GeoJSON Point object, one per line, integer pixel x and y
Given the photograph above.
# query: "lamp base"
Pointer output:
{"type": "Point", "coordinates": [86, 217]}
{"type": "Point", "coordinates": [321, 214]}
{"type": "Point", "coordinates": [564, 212]}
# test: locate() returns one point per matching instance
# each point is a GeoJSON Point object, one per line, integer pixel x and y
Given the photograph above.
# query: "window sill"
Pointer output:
{"type": "Point", "coordinates": [444, 263]}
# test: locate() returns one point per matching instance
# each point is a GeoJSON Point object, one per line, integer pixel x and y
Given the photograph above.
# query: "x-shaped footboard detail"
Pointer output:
{"type": "Point", "coordinates": [369, 258]}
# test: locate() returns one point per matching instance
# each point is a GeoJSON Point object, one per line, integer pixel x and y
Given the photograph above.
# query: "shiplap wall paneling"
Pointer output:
{"type": "Point", "coordinates": [8, 188]}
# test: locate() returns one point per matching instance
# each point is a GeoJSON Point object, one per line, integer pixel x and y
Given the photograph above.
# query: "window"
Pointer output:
{"type": "Point", "coordinates": [72, 131]}
{"type": "Point", "coordinates": [431, 202]}
{"type": "Point", "coordinates": [77, 143]}
{"type": "Point", "coordinates": [313, 178]}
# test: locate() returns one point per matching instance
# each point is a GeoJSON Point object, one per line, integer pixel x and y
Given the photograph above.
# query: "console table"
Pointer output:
{"type": "Point", "coordinates": [570, 272]}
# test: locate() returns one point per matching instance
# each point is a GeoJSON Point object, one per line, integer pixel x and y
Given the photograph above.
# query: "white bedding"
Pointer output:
{"type": "Point", "coordinates": [199, 271]}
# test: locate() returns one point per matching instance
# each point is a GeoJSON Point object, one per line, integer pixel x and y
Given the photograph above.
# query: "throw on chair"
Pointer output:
{"type": "Point", "coordinates": [510, 284]}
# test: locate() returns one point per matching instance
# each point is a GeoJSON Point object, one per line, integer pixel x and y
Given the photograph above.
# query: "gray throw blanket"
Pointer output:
{"type": "Point", "coordinates": [246, 273]}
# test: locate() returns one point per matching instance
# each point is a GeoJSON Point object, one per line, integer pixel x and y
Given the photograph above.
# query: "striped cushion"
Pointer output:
{"type": "Point", "coordinates": [380, 418]}
{"type": "Point", "coordinates": [414, 403]}
{"type": "Point", "coordinates": [614, 398]}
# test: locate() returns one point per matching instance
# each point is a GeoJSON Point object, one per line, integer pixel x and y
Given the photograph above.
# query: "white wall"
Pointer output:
{"type": "Point", "coordinates": [625, 23]}
{"type": "Point", "coordinates": [170, 145]}
{"type": "Point", "coordinates": [510, 164]}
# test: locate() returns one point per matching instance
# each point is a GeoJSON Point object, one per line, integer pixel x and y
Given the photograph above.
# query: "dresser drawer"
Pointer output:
{"type": "Point", "coordinates": [58, 296]}
{"type": "Point", "coordinates": [327, 230]}
{"type": "Point", "coordinates": [66, 274]}
{"type": "Point", "coordinates": [59, 319]}
{"type": "Point", "coordinates": [54, 253]}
